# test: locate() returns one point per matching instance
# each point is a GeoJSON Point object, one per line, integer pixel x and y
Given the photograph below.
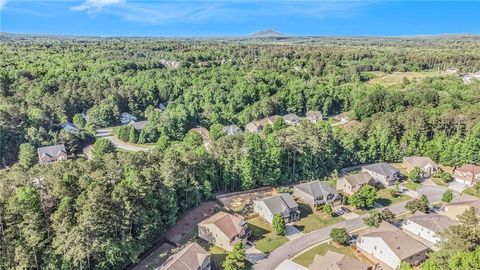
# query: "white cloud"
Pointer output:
{"type": "Point", "coordinates": [2, 3]}
{"type": "Point", "coordinates": [96, 5]}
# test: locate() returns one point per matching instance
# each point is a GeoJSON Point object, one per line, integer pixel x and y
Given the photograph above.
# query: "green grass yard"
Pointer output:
{"type": "Point", "coordinates": [218, 255]}
{"type": "Point", "coordinates": [311, 221]}
{"type": "Point", "coordinates": [412, 185]}
{"type": "Point", "coordinates": [396, 78]}
{"type": "Point", "coordinates": [385, 199]}
{"type": "Point", "coordinates": [439, 182]}
{"type": "Point", "coordinates": [266, 240]}
{"type": "Point", "coordinates": [472, 191]}
{"type": "Point", "coordinates": [307, 257]}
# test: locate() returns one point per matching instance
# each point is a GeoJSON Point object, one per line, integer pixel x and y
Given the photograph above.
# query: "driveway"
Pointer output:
{"type": "Point", "coordinates": [125, 146]}
{"type": "Point", "coordinates": [292, 233]}
{"type": "Point", "coordinates": [253, 255]}
{"type": "Point", "coordinates": [290, 265]}
{"type": "Point", "coordinates": [433, 193]}
{"type": "Point", "coordinates": [458, 187]}
{"type": "Point", "coordinates": [289, 249]}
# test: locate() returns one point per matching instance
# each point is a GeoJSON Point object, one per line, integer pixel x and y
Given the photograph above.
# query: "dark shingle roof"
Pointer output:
{"type": "Point", "coordinates": [51, 153]}
{"type": "Point", "coordinates": [383, 169]}
{"type": "Point", "coordinates": [316, 188]}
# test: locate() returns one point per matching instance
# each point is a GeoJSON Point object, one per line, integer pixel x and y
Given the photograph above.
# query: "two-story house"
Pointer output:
{"type": "Point", "coordinates": [224, 230]}
{"type": "Point", "coordinates": [352, 182]}
{"type": "Point", "coordinates": [458, 206]}
{"type": "Point", "coordinates": [425, 164]}
{"type": "Point", "coordinates": [383, 173]}
{"type": "Point", "coordinates": [467, 174]}
{"type": "Point", "coordinates": [314, 116]}
{"type": "Point", "coordinates": [427, 226]}
{"type": "Point", "coordinates": [51, 153]}
{"type": "Point", "coordinates": [316, 193]}
{"type": "Point", "coordinates": [391, 246]}
{"type": "Point", "coordinates": [291, 119]}
{"type": "Point", "coordinates": [282, 204]}
{"type": "Point", "coordinates": [190, 257]}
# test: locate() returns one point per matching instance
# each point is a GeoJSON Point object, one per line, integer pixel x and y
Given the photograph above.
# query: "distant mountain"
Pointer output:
{"type": "Point", "coordinates": [267, 33]}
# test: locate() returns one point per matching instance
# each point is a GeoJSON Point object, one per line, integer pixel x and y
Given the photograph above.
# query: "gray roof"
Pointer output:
{"type": "Point", "coordinates": [420, 162]}
{"type": "Point", "coordinates": [51, 153]}
{"type": "Point", "coordinates": [359, 178]}
{"type": "Point", "coordinates": [138, 125]}
{"type": "Point", "coordinates": [316, 188]}
{"type": "Point", "coordinates": [232, 129]}
{"type": "Point", "coordinates": [191, 257]}
{"type": "Point", "coordinates": [336, 261]}
{"type": "Point", "coordinates": [433, 222]}
{"type": "Point", "coordinates": [291, 117]}
{"type": "Point", "coordinates": [383, 169]}
{"type": "Point", "coordinates": [314, 114]}
{"type": "Point", "coordinates": [279, 203]}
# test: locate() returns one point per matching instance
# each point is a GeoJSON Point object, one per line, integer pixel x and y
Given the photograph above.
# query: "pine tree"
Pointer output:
{"type": "Point", "coordinates": [236, 258]}
{"type": "Point", "coordinates": [27, 156]}
{"type": "Point", "coordinates": [132, 135]}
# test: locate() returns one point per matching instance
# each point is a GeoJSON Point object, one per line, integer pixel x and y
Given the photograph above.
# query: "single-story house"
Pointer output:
{"type": "Point", "coordinates": [203, 132]}
{"type": "Point", "coordinates": [383, 173]}
{"type": "Point", "coordinates": [282, 204]}
{"type": "Point", "coordinates": [232, 129]}
{"type": "Point", "coordinates": [190, 257]}
{"type": "Point", "coordinates": [343, 117]}
{"type": "Point", "coordinates": [291, 119]}
{"type": "Point", "coordinates": [126, 118]}
{"type": "Point", "coordinates": [314, 116]}
{"type": "Point", "coordinates": [51, 153]}
{"type": "Point", "coordinates": [138, 125]}
{"type": "Point", "coordinates": [70, 128]}
{"type": "Point", "coordinates": [352, 182]}
{"type": "Point", "coordinates": [336, 261]}
{"type": "Point", "coordinates": [467, 174]}
{"type": "Point", "coordinates": [224, 230]}
{"type": "Point", "coordinates": [316, 193]}
{"type": "Point", "coordinates": [427, 165]}
{"type": "Point", "coordinates": [458, 206]}
{"type": "Point", "coordinates": [391, 246]}
{"type": "Point", "coordinates": [428, 226]}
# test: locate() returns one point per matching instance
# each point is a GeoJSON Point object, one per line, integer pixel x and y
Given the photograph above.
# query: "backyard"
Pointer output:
{"type": "Point", "coordinates": [218, 255]}
{"type": "Point", "coordinates": [307, 257]}
{"type": "Point", "coordinates": [310, 221]}
{"type": "Point", "coordinates": [386, 199]}
{"type": "Point", "coordinates": [265, 240]}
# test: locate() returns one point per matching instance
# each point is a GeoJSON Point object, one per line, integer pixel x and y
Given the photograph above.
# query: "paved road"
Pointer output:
{"type": "Point", "coordinates": [126, 146]}
{"type": "Point", "coordinates": [289, 249]}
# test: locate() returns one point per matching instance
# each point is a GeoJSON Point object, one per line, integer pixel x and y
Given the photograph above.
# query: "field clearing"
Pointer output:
{"type": "Point", "coordinates": [396, 78]}
{"type": "Point", "coordinates": [242, 202]}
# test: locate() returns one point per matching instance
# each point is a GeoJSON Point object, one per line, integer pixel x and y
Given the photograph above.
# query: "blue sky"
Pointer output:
{"type": "Point", "coordinates": [238, 17]}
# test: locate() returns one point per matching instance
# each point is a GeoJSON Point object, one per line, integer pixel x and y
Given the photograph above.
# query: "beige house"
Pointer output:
{"type": "Point", "coordinates": [391, 246]}
{"type": "Point", "coordinates": [190, 257]}
{"type": "Point", "coordinates": [468, 174]}
{"type": "Point", "coordinates": [314, 116]}
{"type": "Point", "coordinates": [336, 261]}
{"type": "Point", "coordinates": [427, 166]}
{"type": "Point", "coordinates": [459, 205]}
{"type": "Point", "coordinates": [224, 230]}
{"type": "Point", "coordinates": [352, 182]}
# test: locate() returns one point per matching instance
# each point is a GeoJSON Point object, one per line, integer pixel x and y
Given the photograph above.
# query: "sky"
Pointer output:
{"type": "Point", "coordinates": [180, 18]}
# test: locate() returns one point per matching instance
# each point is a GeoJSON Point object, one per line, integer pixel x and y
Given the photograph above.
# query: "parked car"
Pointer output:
{"type": "Point", "coordinates": [339, 212]}
{"type": "Point", "coordinates": [346, 210]}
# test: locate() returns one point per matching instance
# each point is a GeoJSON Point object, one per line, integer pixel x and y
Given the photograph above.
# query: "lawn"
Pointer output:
{"type": "Point", "coordinates": [265, 240]}
{"type": "Point", "coordinates": [307, 257]}
{"type": "Point", "coordinates": [472, 191]}
{"type": "Point", "coordinates": [412, 185]}
{"type": "Point", "coordinates": [439, 182]}
{"type": "Point", "coordinates": [386, 199]}
{"type": "Point", "coordinates": [310, 221]}
{"type": "Point", "coordinates": [218, 255]}
{"type": "Point", "coordinates": [396, 78]}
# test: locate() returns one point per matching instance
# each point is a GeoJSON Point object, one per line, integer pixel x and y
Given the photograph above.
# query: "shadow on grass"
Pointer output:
{"type": "Point", "coordinates": [217, 261]}
{"type": "Point", "coordinates": [299, 227]}
{"type": "Point", "coordinates": [383, 201]}
{"type": "Point", "coordinates": [257, 232]}
{"type": "Point", "coordinates": [305, 209]}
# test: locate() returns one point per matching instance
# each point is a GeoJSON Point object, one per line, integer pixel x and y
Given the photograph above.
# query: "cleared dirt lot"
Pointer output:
{"type": "Point", "coordinates": [242, 202]}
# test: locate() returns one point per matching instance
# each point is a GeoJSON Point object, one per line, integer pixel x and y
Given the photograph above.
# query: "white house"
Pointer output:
{"type": "Point", "coordinates": [467, 174]}
{"type": "Point", "coordinates": [391, 246]}
{"type": "Point", "coordinates": [428, 226]}
{"type": "Point", "coordinates": [282, 204]}
{"type": "Point", "coordinates": [383, 173]}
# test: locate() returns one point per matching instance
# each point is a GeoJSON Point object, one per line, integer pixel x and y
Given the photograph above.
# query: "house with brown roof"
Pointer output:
{"type": "Point", "coordinates": [458, 205]}
{"type": "Point", "coordinates": [342, 117]}
{"type": "Point", "coordinates": [352, 182]}
{"type": "Point", "coordinates": [51, 153]}
{"type": "Point", "coordinates": [391, 246]}
{"type": "Point", "coordinates": [203, 132]}
{"type": "Point", "coordinates": [468, 174]}
{"type": "Point", "coordinates": [190, 257]}
{"type": "Point", "coordinates": [428, 226]}
{"type": "Point", "coordinates": [224, 230]}
{"type": "Point", "coordinates": [336, 261]}
{"type": "Point", "coordinates": [314, 116]}
{"type": "Point", "coordinates": [427, 165]}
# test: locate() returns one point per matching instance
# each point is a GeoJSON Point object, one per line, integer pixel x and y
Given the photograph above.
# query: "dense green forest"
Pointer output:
{"type": "Point", "coordinates": [103, 213]}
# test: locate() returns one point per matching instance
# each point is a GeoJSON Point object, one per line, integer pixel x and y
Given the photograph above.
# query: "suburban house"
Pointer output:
{"type": "Point", "coordinates": [254, 126]}
{"type": "Point", "coordinates": [383, 173]}
{"type": "Point", "coordinates": [316, 193]}
{"type": "Point", "coordinates": [352, 182]}
{"type": "Point", "coordinates": [190, 257]}
{"type": "Point", "coordinates": [271, 119]}
{"type": "Point", "coordinates": [125, 118]}
{"type": "Point", "coordinates": [458, 205]}
{"type": "Point", "coordinates": [203, 132]}
{"type": "Point", "coordinates": [452, 70]}
{"type": "Point", "coordinates": [471, 77]}
{"type": "Point", "coordinates": [390, 245]}
{"type": "Point", "coordinates": [282, 204]}
{"type": "Point", "coordinates": [138, 125]}
{"type": "Point", "coordinates": [223, 230]}
{"type": "Point", "coordinates": [70, 128]}
{"type": "Point", "coordinates": [343, 117]}
{"type": "Point", "coordinates": [427, 166]}
{"type": "Point", "coordinates": [232, 129]}
{"type": "Point", "coordinates": [314, 116]}
{"type": "Point", "coordinates": [336, 261]}
{"type": "Point", "coordinates": [291, 119]}
{"type": "Point", "coordinates": [51, 153]}
{"type": "Point", "coordinates": [427, 226]}
{"type": "Point", "coordinates": [468, 174]}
